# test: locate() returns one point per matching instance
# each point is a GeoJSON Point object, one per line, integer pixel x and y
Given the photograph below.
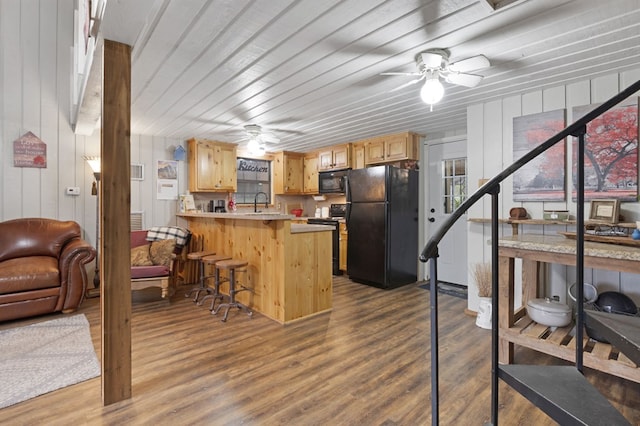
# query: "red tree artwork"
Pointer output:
{"type": "Point", "coordinates": [611, 153]}
{"type": "Point", "coordinates": [543, 179]}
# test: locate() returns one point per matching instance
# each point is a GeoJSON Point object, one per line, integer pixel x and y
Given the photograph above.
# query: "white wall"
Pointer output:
{"type": "Point", "coordinates": [36, 38]}
{"type": "Point", "coordinates": [489, 151]}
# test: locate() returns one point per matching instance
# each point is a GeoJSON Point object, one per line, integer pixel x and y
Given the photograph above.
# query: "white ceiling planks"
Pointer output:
{"type": "Point", "coordinates": [309, 71]}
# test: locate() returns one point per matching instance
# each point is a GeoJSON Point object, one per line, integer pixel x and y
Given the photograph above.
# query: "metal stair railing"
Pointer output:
{"type": "Point", "coordinates": [492, 187]}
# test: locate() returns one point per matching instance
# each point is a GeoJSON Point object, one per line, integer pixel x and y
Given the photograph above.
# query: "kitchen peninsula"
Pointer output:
{"type": "Point", "coordinates": [289, 272]}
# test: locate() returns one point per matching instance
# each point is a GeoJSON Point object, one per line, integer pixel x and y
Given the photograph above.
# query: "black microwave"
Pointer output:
{"type": "Point", "coordinates": [334, 182]}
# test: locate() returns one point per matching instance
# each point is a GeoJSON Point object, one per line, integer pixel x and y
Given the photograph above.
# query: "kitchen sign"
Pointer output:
{"type": "Point", "coordinates": [256, 170]}
{"type": "Point", "coordinates": [29, 151]}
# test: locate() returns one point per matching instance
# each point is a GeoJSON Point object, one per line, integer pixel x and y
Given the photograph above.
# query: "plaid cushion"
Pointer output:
{"type": "Point", "coordinates": [157, 233]}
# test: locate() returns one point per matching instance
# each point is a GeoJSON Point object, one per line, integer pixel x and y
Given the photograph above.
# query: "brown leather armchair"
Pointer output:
{"type": "Point", "coordinates": [42, 267]}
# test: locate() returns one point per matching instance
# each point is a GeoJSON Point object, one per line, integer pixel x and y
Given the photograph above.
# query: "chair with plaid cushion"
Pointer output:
{"type": "Point", "coordinates": [156, 257]}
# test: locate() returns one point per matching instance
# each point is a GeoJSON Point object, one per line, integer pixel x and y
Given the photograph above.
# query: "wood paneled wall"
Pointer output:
{"type": "Point", "coordinates": [490, 150]}
{"type": "Point", "coordinates": [35, 95]}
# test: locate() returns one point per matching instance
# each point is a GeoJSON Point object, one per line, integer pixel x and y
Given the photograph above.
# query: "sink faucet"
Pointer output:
{"type": "Point", "coordinates": [255, 201]}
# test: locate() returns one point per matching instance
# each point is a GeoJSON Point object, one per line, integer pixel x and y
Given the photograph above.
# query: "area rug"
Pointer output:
{"type": "Point", "coordinates": [46, 356]}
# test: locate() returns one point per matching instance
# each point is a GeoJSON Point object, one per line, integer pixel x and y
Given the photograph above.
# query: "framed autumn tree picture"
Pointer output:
{"type": "Point", "coordinates": [611, 153]}
{"type": "Point", "coordinates": [543, 178]}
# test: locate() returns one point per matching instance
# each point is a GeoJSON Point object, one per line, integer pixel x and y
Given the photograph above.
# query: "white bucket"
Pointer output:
{"type": "Point", "coordinates": [483, 320]}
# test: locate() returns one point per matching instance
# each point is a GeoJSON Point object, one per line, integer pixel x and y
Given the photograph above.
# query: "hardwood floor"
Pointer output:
{"type": "Point", "coordinates": [365, 363]}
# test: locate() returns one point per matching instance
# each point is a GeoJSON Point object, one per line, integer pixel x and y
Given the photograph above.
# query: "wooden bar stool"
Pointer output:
{"type": "Point", "coordinates": [211, 260]}
{"type": "Point", "coordinates": [232, 266]}
{"type": "Point", "coordinates": [197, 256]}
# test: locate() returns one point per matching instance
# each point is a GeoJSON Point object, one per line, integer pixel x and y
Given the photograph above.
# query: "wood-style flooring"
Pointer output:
{"type": "Point", "coordinates": [365, 363]}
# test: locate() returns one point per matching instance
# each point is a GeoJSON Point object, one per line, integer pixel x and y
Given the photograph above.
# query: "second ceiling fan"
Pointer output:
{"type": "Point", "coordinates": [434, 64]}
{"type": "Point", "coordinates": [258, 138]}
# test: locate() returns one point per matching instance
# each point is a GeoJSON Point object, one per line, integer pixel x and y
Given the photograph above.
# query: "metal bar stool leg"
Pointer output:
{"type": "Point", "coordinates": [200, 282]}
{"type": "Point", "coordinates": [215, 292]}
{"type": "Point", "coordinates": [231, 266]}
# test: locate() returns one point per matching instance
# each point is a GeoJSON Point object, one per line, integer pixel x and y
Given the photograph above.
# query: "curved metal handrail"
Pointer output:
{"type": "Point", "coordinates": [431, 248]}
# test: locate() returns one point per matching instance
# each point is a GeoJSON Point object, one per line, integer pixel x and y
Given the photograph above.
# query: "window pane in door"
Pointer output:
{"type": "Point", "coordinates": [454, 180]}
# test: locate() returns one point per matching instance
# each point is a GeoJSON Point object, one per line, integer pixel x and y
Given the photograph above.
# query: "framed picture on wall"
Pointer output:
{"type": "Point", "coordinates": [542, 179]}
{"type": "Point", "coordinates": [611, 153]}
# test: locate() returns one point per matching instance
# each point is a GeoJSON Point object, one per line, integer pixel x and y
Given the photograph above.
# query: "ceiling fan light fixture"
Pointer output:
{"type": "Point", "coordinates": [432, 91]}
{"type": "Point", "coordinates": [255, 147]}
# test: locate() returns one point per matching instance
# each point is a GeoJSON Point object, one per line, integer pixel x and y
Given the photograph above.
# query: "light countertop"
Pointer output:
{"type": "Point", "coordinates": [240, 215]}
{"type": "Point", "coordinates": [560, 244]}
{"type": "Point", "coordinates": [297, 228]}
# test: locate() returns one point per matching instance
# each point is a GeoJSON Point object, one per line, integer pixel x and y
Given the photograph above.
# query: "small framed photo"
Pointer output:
{"type": "Point", "coordinates": [604, 210]}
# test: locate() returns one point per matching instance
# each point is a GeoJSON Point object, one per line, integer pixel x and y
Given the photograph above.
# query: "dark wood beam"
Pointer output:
{"type": "Point", "coordinates": [115, 203]}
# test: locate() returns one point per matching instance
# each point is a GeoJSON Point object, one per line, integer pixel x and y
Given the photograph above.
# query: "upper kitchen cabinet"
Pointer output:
{"type": "Point", "coordinates": [287, 172]}
{"type": "Point", "coordinates": [357, 156]}
{"type": "Point", "coordinates": [335, 157]}
{"type": "Point", "coordinates": [310, 168]}
{"type": "Point", "coordinates": [384, 149]}
{"type": "Point", "coordinates": [212, 166]}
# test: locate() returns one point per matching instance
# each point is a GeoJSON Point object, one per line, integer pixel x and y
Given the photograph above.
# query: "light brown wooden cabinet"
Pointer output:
{"type": "Point", "coordinates": [212, 166]}
{"type": "Point", "coordinates": [335, 157]}
{"type": "Point", "coordinates": [310, 172]}
{"type": "Point", "coordinates": [384, 149]}
{"type": "Point", "coordinates": [288, 172]}
{"type": "Point", "coordinates": [357, 156]}
{"type": "Point", "coordinates": [343, 236]}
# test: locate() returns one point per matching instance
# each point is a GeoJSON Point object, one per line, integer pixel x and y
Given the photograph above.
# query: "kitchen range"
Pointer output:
{"type": "Point", "coordinates": [337, 212]}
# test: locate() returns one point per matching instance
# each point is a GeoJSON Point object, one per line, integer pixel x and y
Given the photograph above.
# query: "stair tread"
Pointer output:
{"type": "Point", "coordinates": [563, 393]}
{"type": "Point", "coordinates": [622, 331]}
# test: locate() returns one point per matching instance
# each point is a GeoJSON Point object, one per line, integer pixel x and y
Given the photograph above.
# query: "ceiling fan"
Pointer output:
{"type": "Point", "coordinates": [258, 138]}
{"type": "Point", "coordinates": [434, 64]}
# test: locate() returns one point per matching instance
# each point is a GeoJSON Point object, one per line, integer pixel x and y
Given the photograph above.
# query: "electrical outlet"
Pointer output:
{"type": "Point", "coordinates": [72, 190]}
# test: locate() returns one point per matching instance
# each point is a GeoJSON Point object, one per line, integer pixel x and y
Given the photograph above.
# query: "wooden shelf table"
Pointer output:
{"type": "Point", "coordinates": [515, 327]}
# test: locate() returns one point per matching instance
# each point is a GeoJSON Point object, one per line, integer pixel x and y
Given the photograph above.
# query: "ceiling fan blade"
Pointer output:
{"type": "Point", "coordinates": [399, 73]}
{"type": "Point", "coordinates": [410, 83]}
{"type": "Point", "coordinates": [469, 64]}
{"type": "Point", "coordinates": [269, 138]}
{"type": "Point", "coordinates": [431, 60]}
{"type": "Point", "coordinates": [462, 79]}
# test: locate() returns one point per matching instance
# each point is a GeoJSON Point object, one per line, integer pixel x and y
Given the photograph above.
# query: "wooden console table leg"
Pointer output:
{"type": "Point", "coordinates": [530, 274]}
{"type": "Point", "coordinates": [505, 307]}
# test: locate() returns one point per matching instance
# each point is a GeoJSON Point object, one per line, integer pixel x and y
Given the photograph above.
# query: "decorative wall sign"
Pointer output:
{"type": "Point", "coordinates": [611, 153]}
{"type": "Point", "coordinates": [29, 151]}
{"type": "Point", "coordinates": [543, 178]}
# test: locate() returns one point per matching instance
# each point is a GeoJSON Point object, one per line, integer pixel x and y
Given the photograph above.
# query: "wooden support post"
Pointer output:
{"type": "Point", "coordinates": [115, 199]}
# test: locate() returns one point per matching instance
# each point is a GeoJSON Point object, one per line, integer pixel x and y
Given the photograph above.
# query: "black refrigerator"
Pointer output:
{"type": "Point", "coordinates": [382, 225]}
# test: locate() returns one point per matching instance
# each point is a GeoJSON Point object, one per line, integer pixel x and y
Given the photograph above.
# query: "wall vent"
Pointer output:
{"type": "Point", "coordinates": [137, 221]}
{"type": "Point", "coordinates": [137, 171]}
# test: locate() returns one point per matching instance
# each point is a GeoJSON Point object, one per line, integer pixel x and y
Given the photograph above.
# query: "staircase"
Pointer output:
{"type": "Point", "coordinates": [622, 331]}
{"type": "Point", "coordinates": [562, 392]}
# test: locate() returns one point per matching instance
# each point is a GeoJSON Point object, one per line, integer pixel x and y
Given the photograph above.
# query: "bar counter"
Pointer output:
{"type": "Point", "coordinates": [289, 272]}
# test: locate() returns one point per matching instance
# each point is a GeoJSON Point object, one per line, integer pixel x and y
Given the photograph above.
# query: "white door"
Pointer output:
{"type": "Point", "coordinates": [447, 189]}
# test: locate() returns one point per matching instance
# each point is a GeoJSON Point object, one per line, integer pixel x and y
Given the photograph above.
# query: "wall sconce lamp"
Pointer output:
{"type": "Point", "coordinates": [94, 163]}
